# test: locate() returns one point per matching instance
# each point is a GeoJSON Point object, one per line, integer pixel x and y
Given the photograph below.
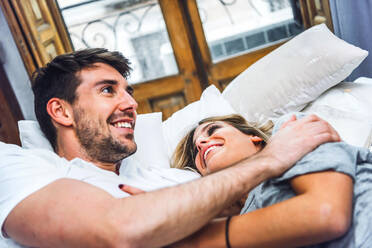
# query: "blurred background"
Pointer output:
{"type": "Point", "coordinates": [176, 47]}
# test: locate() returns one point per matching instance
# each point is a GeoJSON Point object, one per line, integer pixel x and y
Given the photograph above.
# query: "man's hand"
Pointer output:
{"type": "Point", "coordinates": [297, 138]}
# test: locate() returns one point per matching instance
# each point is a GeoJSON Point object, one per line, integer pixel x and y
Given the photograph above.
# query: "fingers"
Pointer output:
{"type": "Point", "coordinates": [320, 127]}
{"type": "Point", "coordinates": [334, 133]}
{"type": "Point", "coordinates": [322, 138]}
{"type": "Point", "coordinates": [298, 138]}
{"type": "Point", "coordinates": [130, 189]}
{"type": "Point", "coordinates": [309, 119]}
{"type": "Point", "coordinates": [328, 135]}
{"type": "Point", "coordinates": [291, 120]}
{"type": "Point", "coordinates": [314, 125]}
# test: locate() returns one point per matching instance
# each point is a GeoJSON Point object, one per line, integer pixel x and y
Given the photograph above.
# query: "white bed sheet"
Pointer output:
{"type": "Point", "coordinates": [368, 94]}
{"type": "Point", "coordinates": [347, 108]}
{"type": "Point", "coordinates": [367, 81]}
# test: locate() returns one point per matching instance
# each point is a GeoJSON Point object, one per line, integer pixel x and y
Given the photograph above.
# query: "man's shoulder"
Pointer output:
{"type": "Point", "coordinates": [11, 154]}
{"type": "Point", "coordinates": [12, 148]}
{"type": "Point", "coordinates": [7, 150]}
{"type": "Point", "coordinates": [8, 146]}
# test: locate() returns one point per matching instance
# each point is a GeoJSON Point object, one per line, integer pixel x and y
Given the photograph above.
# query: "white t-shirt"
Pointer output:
{"type": "Point", "coordinates": [25, 171]}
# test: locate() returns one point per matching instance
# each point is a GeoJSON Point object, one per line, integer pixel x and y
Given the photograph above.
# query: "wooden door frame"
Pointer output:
{"type": "Point", "coordinates": [185, 83]}
{"type": "Point", "coordinates": [19, 36]}
{"type": "Point", "coordinates": [10, 111]}
{"type": "Point", "coordinates": [179, 38]}
{"type": "Point", "coordinates": [19, 28]}
{"type": "Point", "coordinates": [311, 15]}
{"type": "Point", "coordinates": [191, 51]}
{"type": "Point", "coordinates": [49, 12]}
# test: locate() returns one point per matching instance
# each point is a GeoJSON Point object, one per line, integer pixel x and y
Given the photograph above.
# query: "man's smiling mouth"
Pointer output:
{"type": "Point", "coordinates": [123, 124]}
{"type": "Point", "coordinates": [123, 120]}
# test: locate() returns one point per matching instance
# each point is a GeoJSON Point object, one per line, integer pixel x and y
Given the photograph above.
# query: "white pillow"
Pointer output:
{"type": "Point", "coordinates": [210, 104]}
{"type": "Point", "coordinates": [293, 75]}
{"type": "Point", "coordinates": [148, 169]}
{"type": "Point", "coordinates": [148, 135]}
{"type": "Point", "coordinates": [151, 149]}
{"type": "Point", "coordinates": [347, 108]}
{"type": "Point", "coordinates": [31, 135]}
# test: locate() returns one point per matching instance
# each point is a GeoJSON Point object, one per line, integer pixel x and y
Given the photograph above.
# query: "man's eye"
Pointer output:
{"type": "Point", "coordinates": [107, 90]}
{"type": "Point", "coordinates": [130, 90]}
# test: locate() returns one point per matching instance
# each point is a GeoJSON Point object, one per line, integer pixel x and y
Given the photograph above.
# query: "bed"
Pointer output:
{"type": "Point", "coordinates": [305, 74]}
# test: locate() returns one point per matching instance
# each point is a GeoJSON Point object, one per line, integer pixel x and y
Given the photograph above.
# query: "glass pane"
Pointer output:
{"type": "Point", "coordinates": [233, 27]}
{"type": "Point", "coordinates": [134, 27]}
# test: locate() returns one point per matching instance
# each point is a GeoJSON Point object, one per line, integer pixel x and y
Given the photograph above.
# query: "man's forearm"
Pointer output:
{"type": "Point", "coordinates": [71, 213]}
{"type": "Point", "coordinates": [170, 214]}
{"type": "Point", "coordinates": [199, 201]}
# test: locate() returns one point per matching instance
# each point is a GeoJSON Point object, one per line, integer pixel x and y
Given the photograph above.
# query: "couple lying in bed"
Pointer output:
{"type": "Point", "coordinates": [324, 199]}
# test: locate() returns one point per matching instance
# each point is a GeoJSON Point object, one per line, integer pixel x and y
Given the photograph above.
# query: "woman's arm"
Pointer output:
{"type": "Point", "coordinates": [321, 211]}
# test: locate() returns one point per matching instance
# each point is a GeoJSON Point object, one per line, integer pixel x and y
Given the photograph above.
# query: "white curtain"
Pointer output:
{"type": "Point", "coordinates": [352, 21]}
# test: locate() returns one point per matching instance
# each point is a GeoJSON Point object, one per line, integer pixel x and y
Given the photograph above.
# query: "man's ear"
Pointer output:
{"type": "Point", "coordinates": [60, 111]}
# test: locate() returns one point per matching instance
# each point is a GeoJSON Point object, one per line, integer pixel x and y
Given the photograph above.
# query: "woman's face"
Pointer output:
{"type": "Point", "coordinates": [219, 145]}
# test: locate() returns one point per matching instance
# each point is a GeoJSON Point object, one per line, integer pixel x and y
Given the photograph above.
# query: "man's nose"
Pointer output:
{"type": "Point", "coordinates": [127, 102]}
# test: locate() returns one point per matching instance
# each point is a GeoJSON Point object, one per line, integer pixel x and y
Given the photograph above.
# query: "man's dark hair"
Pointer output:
{"type": "Point", "coordinates": [59, 79]}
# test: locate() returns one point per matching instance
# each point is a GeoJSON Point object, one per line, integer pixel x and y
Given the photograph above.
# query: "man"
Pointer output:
{"type": "Point", "coordinates": [71, 198]}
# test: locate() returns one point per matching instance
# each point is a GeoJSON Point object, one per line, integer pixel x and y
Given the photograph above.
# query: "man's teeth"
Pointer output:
{"type": "Point", "coordinates": [208, 150]}
{"type": "Point", "coordinates": [123, 124]}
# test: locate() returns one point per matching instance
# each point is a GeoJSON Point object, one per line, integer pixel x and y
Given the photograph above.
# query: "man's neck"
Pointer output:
{"type": "Point", "coordinates": [114, 167]}
{"type": "Point", "coordinates": [70, 148]}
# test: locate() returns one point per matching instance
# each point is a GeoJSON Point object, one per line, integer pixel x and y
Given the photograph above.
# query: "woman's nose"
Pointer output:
{"type": "Point", "coordinates": [201, 141]}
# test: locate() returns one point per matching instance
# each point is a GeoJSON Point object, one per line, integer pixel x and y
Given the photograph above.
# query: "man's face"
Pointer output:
{"type": "Point", "coordinates": [104, 114]}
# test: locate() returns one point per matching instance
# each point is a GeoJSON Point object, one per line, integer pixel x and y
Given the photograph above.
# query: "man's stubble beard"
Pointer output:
{"type": "Point", "coordinates": [98, 146]}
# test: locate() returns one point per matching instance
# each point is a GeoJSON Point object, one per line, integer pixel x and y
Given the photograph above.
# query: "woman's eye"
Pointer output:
{"type": "Point", "coordinates": [212, 129]}
{"type": "Point", "coordinates": [195, 152]}
{"type": "Point", "coordinates": [107, 90]}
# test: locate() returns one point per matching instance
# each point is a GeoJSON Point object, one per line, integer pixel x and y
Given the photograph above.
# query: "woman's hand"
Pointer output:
{"type": "Point", "coordinates": [131, 190]}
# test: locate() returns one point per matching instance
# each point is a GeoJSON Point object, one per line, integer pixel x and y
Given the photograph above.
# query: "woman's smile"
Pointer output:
{"type": "Point", "coordinates": [220, 145]}
{"type": "Point", "coordinates": [208, 150]}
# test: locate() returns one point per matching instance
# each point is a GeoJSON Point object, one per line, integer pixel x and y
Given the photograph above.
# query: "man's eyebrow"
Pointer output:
{"type": "Point", "coordinates": [106, 81]}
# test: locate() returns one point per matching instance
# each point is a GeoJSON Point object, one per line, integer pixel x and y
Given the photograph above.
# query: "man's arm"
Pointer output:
{"type": "Point", "coordinates": [69, 213]}
{"type": "Point", "coordinates": [320, 212]}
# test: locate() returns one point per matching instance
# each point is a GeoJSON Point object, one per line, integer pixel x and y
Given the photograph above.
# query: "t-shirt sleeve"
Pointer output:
{"type": "Point", "coordinates": [23, 172]}
{"type": "Point", "coordinates": [336, 156]}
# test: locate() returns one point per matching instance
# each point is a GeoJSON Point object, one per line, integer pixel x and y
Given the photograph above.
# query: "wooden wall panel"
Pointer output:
{"type": "Point", "coordinates": [10, 112]}
{"type": "Point", "coordinates": [168, 105]}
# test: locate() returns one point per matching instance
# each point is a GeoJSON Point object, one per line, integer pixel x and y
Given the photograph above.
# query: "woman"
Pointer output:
{"type": "Point", "coordinates": [311, 203]}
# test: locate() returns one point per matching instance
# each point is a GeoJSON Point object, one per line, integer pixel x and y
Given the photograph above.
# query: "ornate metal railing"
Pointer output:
{"type": "Point", "coordinates": [121, 27]}
{"type": "Point", "coordinates": [103, 31]}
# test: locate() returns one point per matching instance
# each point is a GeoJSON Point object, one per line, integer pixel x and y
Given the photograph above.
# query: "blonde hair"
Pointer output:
{"type": "Point", "coordinates": [184, 155]}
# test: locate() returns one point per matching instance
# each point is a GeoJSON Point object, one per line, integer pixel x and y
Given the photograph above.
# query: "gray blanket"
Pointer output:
{"type": "Point", "coordinates": [341, 157]}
